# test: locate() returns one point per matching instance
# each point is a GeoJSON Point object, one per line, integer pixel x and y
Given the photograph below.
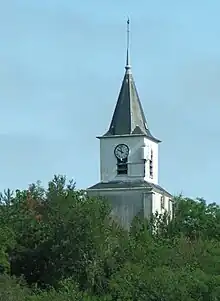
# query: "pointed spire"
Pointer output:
{"type": "Point", "coordinates": [127, 66]}
{"type": "Point", "coordinates": [128, 117]}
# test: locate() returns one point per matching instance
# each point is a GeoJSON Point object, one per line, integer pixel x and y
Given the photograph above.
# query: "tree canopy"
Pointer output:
{"type": "Point", "coordinates": [56, 243]}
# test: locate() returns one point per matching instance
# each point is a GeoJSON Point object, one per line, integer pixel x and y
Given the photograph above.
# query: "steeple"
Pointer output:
{"type": "Point", "coordinates": [128, 117]}
{"type": "Point", "coordinates": [129, 159]}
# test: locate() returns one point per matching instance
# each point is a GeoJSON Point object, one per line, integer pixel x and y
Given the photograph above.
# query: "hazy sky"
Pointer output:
{"type": "Point", "coordinates": [61, 67]}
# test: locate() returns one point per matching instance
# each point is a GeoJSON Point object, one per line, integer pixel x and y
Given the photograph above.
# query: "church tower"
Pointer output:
{"type": "Point", "coordinates": [129, 159]}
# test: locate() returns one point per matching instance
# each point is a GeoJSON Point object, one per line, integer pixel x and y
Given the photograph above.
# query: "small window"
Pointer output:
{"type": "Point", "coordinates": [122, 166]}
{"type": "Point", "coordinates": [151, 164]}
{"type": "Point", "coordinates": [172, 208]}
{"type": "Point", "coordinates": [169, 206]}
{"type": "Point", "coordinates": [162, 202]}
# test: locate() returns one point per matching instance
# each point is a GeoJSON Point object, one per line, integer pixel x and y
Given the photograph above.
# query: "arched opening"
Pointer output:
{"type": "Point", "coordinates": [122, 166]}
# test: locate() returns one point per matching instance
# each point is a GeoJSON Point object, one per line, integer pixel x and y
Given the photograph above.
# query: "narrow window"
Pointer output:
{"type": "Point", "coordinates": [122, 166]}
{"type": "Point", "coordinates": [162, 202]}
{"type": "Point", "coordinates": [169, 206]}
{"type": "Point", "coordinates": [151, 164]}
{"type": "Point", "coordinates": [173, 208]}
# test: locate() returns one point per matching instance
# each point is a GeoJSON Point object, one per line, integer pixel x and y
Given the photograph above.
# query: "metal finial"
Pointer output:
{"type": "Point", "coordinates": [128, 45]}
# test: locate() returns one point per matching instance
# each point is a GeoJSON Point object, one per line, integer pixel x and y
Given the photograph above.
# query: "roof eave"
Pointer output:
{"type": "Point", "coordinates": [129, 135]}
{"type": "Point", "coordinates": [154, 139]}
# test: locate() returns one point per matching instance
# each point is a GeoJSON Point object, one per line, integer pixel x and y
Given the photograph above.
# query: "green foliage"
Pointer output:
{"type": "Point", "coordinates": [66, 246]}
{"type": "Point", "coordinates": [12, 289]}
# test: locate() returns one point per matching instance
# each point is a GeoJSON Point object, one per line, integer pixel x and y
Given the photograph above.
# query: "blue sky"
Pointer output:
{"type": "Point", "coordinates": [61, 67]}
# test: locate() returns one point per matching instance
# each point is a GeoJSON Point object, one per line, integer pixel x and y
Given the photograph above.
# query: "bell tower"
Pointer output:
{"type": "Point", "coordinates": [129, 156]}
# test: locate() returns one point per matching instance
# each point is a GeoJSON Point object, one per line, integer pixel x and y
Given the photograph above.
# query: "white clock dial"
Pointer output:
{"type": "Point", "coordinates": [121, 151]}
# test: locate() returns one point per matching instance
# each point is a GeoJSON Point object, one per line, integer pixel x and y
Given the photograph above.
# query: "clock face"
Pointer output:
{"type": "Point", "coordinates": [121, 151]}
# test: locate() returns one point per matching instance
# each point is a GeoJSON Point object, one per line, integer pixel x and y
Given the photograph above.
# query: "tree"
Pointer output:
{"type": "Point", "coordinates": [195, 218]}
{"type": "Point", "coordinates": [74, 236]}
{"type": "Point", "coordinates": [67, 247]}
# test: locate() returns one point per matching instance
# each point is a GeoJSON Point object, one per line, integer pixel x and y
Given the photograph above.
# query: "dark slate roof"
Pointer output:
{"type": "Point", "coordinates": [128, 117]}
{"type": "Point", "coordinates": [130, 184]}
